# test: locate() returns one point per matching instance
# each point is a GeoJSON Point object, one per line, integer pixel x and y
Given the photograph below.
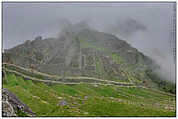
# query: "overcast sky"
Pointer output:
{"type": "Point", "coordinates": [25, 21]}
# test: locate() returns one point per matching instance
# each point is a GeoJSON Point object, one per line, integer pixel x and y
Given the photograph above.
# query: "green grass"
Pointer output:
{"type": "Point", "coordinates": [21, 114]}
{"type": "Point", "coordinates": [98, 107]}
{"type": "Point", "coordinates": [65, 89]}
{"type": "Point", "coordinates": [102, 100]}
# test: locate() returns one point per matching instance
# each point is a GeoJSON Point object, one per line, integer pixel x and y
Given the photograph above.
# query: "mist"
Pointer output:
{"type": "Point", "coordinates": [150, 32]}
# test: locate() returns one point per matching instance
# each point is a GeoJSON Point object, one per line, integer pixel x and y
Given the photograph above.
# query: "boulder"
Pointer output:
{"type": "Point", "coordinates": [62, 103]}
{"type": "Point", "coordinates": [85, 97]}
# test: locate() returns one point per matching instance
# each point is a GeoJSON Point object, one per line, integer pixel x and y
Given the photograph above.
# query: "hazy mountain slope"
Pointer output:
{"type": "Point", "coordinates": [81, 51]}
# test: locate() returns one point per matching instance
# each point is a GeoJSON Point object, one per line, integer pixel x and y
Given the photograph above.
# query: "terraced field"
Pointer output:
{"type": "Point", "coordinates": [87, 99]}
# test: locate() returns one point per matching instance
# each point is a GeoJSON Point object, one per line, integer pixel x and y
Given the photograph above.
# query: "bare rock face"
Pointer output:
{"type": "Point", "coordinates": [11, 105]}
{"type": "Point", "coordinates": [7, 109]}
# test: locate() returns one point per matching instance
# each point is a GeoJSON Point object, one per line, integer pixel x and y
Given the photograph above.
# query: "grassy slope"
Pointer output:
{"type": "Point", "coordinates": [101, 101]}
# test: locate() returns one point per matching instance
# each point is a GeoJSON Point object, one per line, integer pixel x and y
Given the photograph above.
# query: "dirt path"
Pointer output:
{"type": "Point", "coordinates": [58, 77]}
{"type": "Point", "coordinates": [59, 82]}
{"type": "Point", "coordinates": [123, 84]}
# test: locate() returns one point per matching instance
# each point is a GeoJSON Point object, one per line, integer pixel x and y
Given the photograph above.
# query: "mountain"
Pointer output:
{"type": "Point", "coordinates": [82, 51]}
{"type": "Point", "coordinates": [84, 72]}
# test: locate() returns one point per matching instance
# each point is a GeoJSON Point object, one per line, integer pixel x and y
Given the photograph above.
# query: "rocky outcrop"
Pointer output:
{"type": "Point", "coordinates": [11, 105]}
